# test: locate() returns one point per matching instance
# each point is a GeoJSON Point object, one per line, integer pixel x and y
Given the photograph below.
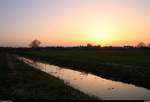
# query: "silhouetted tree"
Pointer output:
{"type": "Point", "coordinates": [148, 45]}
{"type": "Point", "coordinates": [35, 44]}
{"type": "Point", "coordinates": [141, 44]}
{"type": "Point", "coordinates": [128, 46]}
{"type": "Point", "coordinates": [98, 46]}
{"type": "Point", "coordinates": [89, 45]}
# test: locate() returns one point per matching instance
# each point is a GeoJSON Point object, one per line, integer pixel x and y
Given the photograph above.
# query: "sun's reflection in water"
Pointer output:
{"type": "Point", "coordinates": [93, 85]}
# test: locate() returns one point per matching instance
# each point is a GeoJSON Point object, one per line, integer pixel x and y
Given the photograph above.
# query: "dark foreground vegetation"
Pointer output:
{"type": "Point", "coordinates": [131, 65]}
{"type": "Point", "coordinates": [19, 81]}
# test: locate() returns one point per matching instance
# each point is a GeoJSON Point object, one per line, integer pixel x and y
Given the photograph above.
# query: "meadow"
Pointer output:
{"type": "Point", "coordinates": [127, 65]}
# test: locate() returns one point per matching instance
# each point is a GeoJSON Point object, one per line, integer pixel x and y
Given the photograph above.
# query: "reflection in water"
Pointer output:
{"type": "Point", "coordinates": [93, 85]}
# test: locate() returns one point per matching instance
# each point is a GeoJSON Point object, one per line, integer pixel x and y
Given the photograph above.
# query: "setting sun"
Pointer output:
{"type": "Point", "coordinates": [72, 22]}
{"type": "Point", "coordinates": [100, 38]}
{"type": "Point", "coordinates": [104, 34]}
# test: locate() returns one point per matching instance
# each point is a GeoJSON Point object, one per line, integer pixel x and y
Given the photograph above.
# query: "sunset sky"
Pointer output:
{"type": "Point", "coordinates": [74, 22]}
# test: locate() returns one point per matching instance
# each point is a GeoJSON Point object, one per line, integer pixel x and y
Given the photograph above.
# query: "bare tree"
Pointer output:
{"type": "Point", "coordinates": [141, 44]}
{"type": "Point", "coordinates": [148, 45]}
{"type": "Point", "coordinates": [89, 45]}
{"type": "Point", "coordinates": [35, 44]}
{"type": "Point", "coordinates": [98, 46]}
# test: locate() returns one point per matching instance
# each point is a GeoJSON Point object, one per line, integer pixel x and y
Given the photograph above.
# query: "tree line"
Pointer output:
{"type": "Point", "coordinates": [36, 44]}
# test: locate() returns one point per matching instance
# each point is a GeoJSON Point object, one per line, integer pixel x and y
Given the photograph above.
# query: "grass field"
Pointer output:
{"type": "Point", "coordinates": [127, 65]}
{"type": "Point", "coordinates": [22, 82]}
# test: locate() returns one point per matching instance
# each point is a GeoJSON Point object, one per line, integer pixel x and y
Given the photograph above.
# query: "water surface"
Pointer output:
{"type": "Point", "coordinates": [91, 84]}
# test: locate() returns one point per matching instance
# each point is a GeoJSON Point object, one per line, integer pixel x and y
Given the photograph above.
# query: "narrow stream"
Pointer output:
{"type": "Point", "coordinates": [91, 84]}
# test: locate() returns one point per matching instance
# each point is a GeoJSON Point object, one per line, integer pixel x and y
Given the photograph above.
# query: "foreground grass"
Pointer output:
{"type": "Point", "coordinates": [131, 66]}
{"type": "Point", "coordinates": [22, 82]}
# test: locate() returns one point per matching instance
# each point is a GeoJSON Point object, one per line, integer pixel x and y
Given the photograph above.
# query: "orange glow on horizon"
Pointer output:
{"type": "Point", "coordinates": [101, 22]}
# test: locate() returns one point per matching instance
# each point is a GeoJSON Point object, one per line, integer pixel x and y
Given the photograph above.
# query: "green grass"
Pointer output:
{"type": "Point", "coordinates": [131, 66]}
{"type": "Point", "coordinates": [22, 82]}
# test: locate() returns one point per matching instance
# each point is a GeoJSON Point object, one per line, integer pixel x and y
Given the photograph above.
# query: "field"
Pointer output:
{"type": "Point", "coordinates": [127, 65]}
{"type": "Point", "coordinates": [22, 82]}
